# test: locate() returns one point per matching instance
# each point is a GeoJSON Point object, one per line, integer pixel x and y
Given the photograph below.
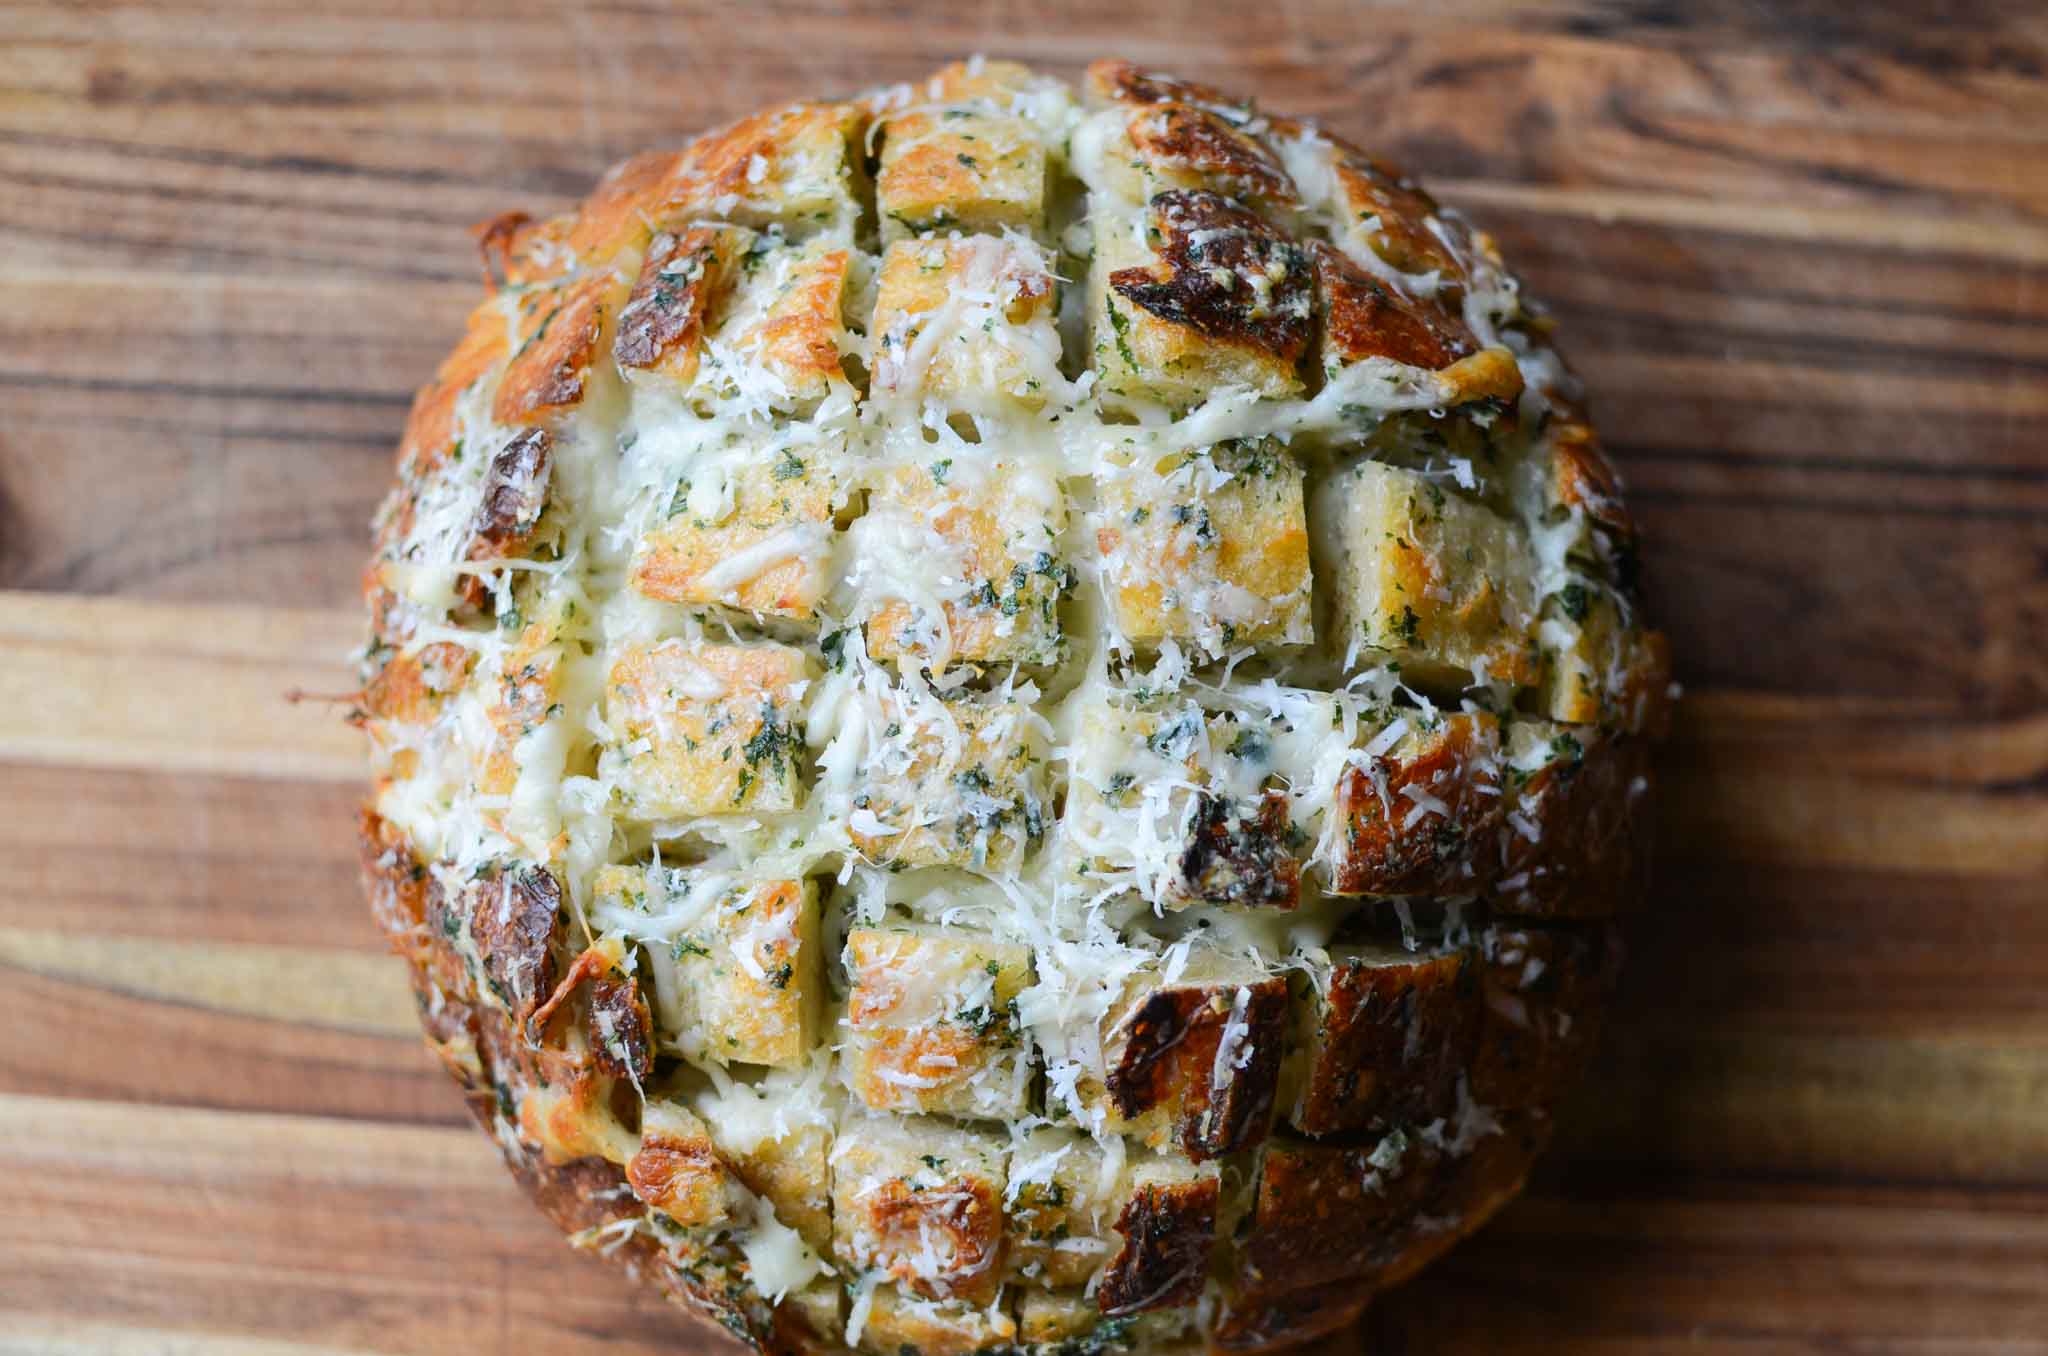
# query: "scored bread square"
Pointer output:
{"type": "Point", "coordinates": [966, 558]}
{"type": "Point", "coordinates": [1192, 292]}
{"type": "Point", "coordinates": [1442, 586]}
{"type": "Point", "coordinates": [1009, 717]}
{"type": "Point", "coordinates": [736, 965]}
{"type": "Point", "coordinates": [755, 534]}
{"type": "Point", "coordinates": [707, 729]}
{"type": "Point", "coordinates": [952, 783]}
{"type": "Point", "coordinates": [1210, 549]}
{"type": "Point", "coordinates": [921, 1201]}
{"type": "Point", "coordinates": [932, 1023]}
{"type": "Point", "coordinates": [968, 321]}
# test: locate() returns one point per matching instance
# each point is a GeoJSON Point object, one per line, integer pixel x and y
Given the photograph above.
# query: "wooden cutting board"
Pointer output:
{"type": "Point", "coordinates": [1801, 254]}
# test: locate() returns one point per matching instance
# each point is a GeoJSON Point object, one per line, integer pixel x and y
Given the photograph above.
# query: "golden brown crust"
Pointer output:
{"type": "Point", "coordinates": [1581, 476]}
{"type": "Point", "coordinates": [560, 329]}
{"type": "Point", "coordinates": [1391, 213]}
{"type": "Point", "coordinates": [1168, 1230]}
{"type": "Point", "coordinates": [1419, 818]}
{"type": "Point", "coordinates": [410, 688]}
{"type": "Point", "coordinates": [1364, 318]}
{"type": "Point", "coordinates": [1225, 274]}
{"type": "Point", "coordinates": [677, 1169]}
{"type": "Point", "coordinates": [1162, 1056]}
{"type": "Point", "coordinates": [1578, 840]}
{"type": "Point", "coordinates": [1545, 990]}
{"type": "Point", "coordinates": [430, 428]}
{"type": "Point", "coordinates": [681, 278]}
{"type": "Point", "coordinates": [515, 917]}
{"type": "Point", "coordinates": [395, 880]}
{"type": "Point", "coordinates": [1124, 82]}
{"type": "Point", "coordinates": [720, 172]}
{"type": "Point", "coordinates": [615, 218]}
{"type": "Point", "coordinates": [1198, 147]}
{"type": "Point", "coordinates": [1392, 1037]}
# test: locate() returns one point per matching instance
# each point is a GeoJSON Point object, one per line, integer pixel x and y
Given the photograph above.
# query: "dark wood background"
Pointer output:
{"type": "Point", "coordinates": [1800, 251]}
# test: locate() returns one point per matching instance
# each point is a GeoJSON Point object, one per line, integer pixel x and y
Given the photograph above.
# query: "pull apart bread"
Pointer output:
{"type": "Point", "coordinates": [1009, 718]}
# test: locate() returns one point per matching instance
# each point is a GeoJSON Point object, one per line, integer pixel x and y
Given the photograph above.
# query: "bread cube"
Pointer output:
{"type": "Point", "coordinates": [966, 559]}
{"type": "Point", "coordinates": [1328, 1213]}
{"type": "Point", "coordinates": [1111, 81]}
{"type": "Point", "coordinates": [677, 1169]}
{"type": "Point", "coordinates": [959, 168]}
{"type": "Point", "coordinates": [1584, 637]}
{"type": "Point", "coordinates": [738, 971]}
{"type": "Point", "coordinates": [598, 1016]}
{"type": "Point", "coordinates": [706, 729]}
{"type": "Point", "coordinates": [523, 688]}
{"type": "Point", "coordinates": [932, 1022]}
{"type": "Point", "coordinates": [1599, 667]}
{"type": "Point", "coordinates": [900, 1322]}
{"type": "Point", "coordinates": [755, 536]}
{"type": "Point", "coordinates": [1209, 548]}
{"type": "Point", "coordinates": [611, 222]}
{"type": "Point", "coordinates": [951, 783]}
{"type": "Point", "coordinates": [561, 328]}
{"type": "Point", "coordinates": [1193, 1062]}
{"type": "Point", "coordinates": [792, 1173]}
{"type": "Point", "coordinates": [1135, 774]}
{"type": "Point", "coordinates": [921, 1201]}
{"type": "Point", "coordinates": [985, 82]}
{"type": "Point", "coordinates": [575, 1117]}
{"type": "Point", "coordinates": [1420, 818]}
{"type": "Point", "coordinates": [1424, 579]}
{"type": "Point", "coordinates": [1060, 1209]}
{"type": "Point", "coordinates": [1364, 317]}
{"type": "Point", "coordinates": [514, 917]}
{"type": "Point", "coordinates": [512, 503]}
{"type": "Point", "coordinates": [684, 277]}
{"type": "Point", "coordinates": [595, 1044]}
{"type": "Point", "coordinates": [1545, 990]}
{"type": "Point", "coordinates": [1238, 851]}
{"type": "Point", "coordinates": [968, 322]}
{"type": "Point", "coordinates": [785, 316]}
{"type": "Point", "coordinates": [1575, 842]}
{"type": "Point", "coordinates": [1580, 479]}
{"type": "Point", "coordinates": [1192, 294]}
{"type": "Point", "coordinates": [1386, 1039]}
{"type": "Point", "coordinates": [412, 687]}
{"type": "Point", "coordinates": [1166, 147]}
{"type": "Point", "coordinates": [1050, 1318]}
{"type": "Point", "coordinates": [1167, 1222]}
{"type": "Point", "coordinates": [1189, 780]}
{"type": "Point", "coordinates": [797, 167]}
{"type": "Point", "coordinates": [1148, 1228]}
{"type": "Point", "coordinates": [1168, 134]}
{"type": "Point", "coordinates": [1382, 210]}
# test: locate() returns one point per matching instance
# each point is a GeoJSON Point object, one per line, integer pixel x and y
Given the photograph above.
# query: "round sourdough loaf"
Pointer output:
{"type": "Point", "coordinates": [1008, 717]}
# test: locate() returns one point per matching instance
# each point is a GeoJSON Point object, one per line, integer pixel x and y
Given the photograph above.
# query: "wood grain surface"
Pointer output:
{"type": "Point", "coordinates": [1800, 252]}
